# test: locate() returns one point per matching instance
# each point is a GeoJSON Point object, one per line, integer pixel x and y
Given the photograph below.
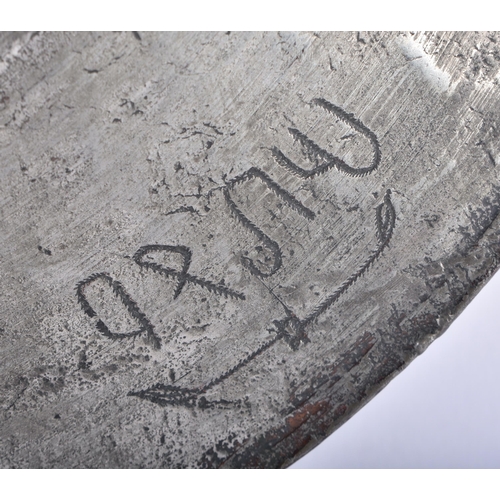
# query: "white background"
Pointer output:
{"type": "Point", "coordinates": [443, 411]}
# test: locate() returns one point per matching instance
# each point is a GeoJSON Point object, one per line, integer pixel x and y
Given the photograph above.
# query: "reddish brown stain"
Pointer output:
{"type": "Point", "coordinates": [339, 411]}
{"type": "Point", "coordinates": [334, 372]}
{"type": "Point", "coordinates": [305, 412]}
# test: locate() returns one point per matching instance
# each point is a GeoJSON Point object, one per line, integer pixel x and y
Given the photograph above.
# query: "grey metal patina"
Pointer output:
{"type": "Point", "coordinates": [216, 247]}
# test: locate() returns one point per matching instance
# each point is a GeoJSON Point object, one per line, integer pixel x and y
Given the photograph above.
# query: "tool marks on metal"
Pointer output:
{"type": "Point", "coordinates": [131, 307]}
{"type": "Point", "coordinates": [322, 159]}
{"type": "Point", "coordinates": [290, 328]}
{"type": "Point", "coordinates": [182, 276]}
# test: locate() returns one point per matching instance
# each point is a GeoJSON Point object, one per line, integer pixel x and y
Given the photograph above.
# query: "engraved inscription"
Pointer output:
{"type": "Point", "coordinates": [285, 196]}
{"type": "Point", "coordinates": [323, 160]}
{"type": "Point", "coordinates": [182, 276]}
{"type": "Point", "coordinates": [131, 307]}
{"type": "Point", "coordinates": [291, 327]}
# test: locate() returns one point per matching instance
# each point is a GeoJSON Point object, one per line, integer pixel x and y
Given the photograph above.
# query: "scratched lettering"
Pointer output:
{"type": "Point", "coordinates": [182, 276]}
{"type": "Point", "coordinates": [291, 327]}
{"type": "Point", "coordinates": [323, 160]}
{"type": "Point", "coordinates": [285, 196]}
{"type": "Point", "coordinates": [130, 306]}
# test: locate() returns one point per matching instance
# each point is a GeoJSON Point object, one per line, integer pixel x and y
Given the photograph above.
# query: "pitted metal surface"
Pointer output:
{"type": "Point", "coordinates": [216, 247]}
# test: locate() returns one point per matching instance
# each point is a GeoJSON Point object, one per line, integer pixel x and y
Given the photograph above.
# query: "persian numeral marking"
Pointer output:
{"type": "Point", "coordinates": [127, 301]}
{"type": "Point", "coordinates": [316, 154]}
{"type": "Point", "coordinates": [182, 276]}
